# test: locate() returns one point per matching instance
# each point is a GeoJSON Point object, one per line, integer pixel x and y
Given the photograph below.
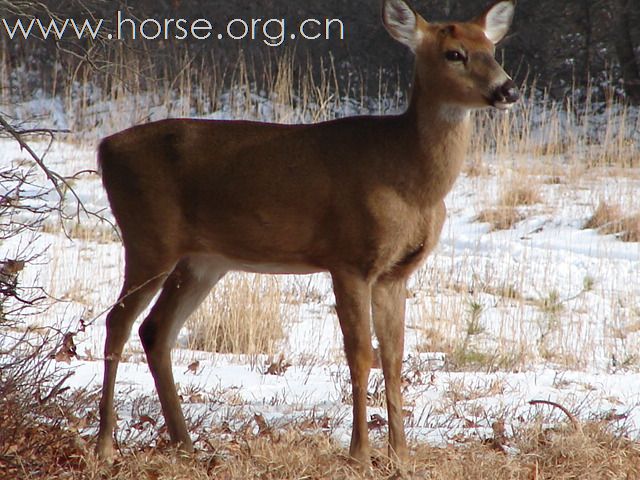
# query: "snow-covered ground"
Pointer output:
{"type": "Point", "coordinates": [544, 310]}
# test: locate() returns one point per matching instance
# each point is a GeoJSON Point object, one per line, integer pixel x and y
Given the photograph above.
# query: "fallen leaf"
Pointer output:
{"type": "Point", "coordinates": [142, 421]}
{"type": "Point", "coordinates": [376, 422]}
{"type": "Point", "coordinates": [193, 367]}
{"type": "Point", "coordinates": [263, 428]}
{"type": "Point", "coordinates": [279, 367]}
{"type": "Point", "coordinates": [68, 349]}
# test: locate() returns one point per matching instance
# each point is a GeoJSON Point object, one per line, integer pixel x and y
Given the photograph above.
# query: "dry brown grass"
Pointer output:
{"type": "Point", "coordinates": [245, 314]}
{"type": "Point", "coordinates": [563, 452]}
{"type": "Point", "coordinates": [506, 214]}
{"type": "Point", "coordinates": [609, 219]}
{"type": "Point", "coordinates": [603, 215]}
{"type": "Point", "coordinates": [500, 218]}
{"type": "Point", "coordinates": [520, 195]}
{"type": "Point", "coordinates": [101, 233]}
{"type": "Point", "coordinates": [581, 136]}
{"type": "Point", "coordinates": [50, 447]}
{"type": "Point", "coordinates": [629, 228]}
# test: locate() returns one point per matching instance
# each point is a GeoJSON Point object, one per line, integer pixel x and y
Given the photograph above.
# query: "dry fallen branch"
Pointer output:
{"type": "Point", "coordinates": [574, 421]}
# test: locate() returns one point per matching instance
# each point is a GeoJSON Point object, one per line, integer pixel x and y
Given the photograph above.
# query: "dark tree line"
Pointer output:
{"type": "Point", "coordinates": [561, 45]}
{"type": "Point", "coordinates": [626, 23]}
{"type": "Point", "coordinates": [577, 42]}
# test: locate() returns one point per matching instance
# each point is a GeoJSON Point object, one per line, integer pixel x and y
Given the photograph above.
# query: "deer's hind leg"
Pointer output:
{"type": "Point", "coordinates": [142, 281]}
{"type": "Point", "coordinates": [182, 293]}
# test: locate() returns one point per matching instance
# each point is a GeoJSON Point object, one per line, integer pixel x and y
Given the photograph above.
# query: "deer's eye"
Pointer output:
{"type": "Point", "coordinates": [455, 56]}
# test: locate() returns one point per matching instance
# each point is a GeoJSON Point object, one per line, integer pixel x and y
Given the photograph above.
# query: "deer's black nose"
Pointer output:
{"type": "Point", "coordinates": [505, 94]}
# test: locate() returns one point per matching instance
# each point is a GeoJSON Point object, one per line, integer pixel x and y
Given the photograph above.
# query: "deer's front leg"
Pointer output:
{"type": "Point", "coordinates": [388, 302]}
{"type": "Point", "coordinates": [353, 304]}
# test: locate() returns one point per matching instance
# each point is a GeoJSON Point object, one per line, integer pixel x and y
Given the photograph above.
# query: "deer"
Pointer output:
{"type": "Point", "coordinates": [361, 198]}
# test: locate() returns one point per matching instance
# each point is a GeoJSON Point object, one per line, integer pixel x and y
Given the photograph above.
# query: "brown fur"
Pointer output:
{"type": "Point", "coordinates": [361, 198]}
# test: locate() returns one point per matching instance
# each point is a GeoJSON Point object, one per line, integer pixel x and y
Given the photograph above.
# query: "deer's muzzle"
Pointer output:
{"type": "Point", "coordinates": [505, 95]}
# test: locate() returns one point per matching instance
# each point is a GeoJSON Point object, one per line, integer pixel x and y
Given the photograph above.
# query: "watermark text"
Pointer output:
{"type": "Point", "coordinates": [271, 31]}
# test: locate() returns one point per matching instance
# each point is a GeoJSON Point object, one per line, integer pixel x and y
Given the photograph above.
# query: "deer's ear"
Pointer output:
{"type": "Point", "coordinates": [496, 20]}
{"type": "Point", "coordinates": [401, 21]}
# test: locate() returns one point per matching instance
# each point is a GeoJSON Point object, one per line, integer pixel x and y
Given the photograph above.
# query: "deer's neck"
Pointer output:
{"type": "Point", "coordinates": [442, 132]}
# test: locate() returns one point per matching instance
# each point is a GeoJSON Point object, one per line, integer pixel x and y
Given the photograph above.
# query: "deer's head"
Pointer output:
{"type": "Point", "coordinates": [455, 62]}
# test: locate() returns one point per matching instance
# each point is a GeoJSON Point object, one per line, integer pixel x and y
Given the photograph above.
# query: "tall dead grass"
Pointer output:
{"type": "Point", "coordinates": [245, 314]}
{"type": "Point", "coordinates": [579, 136]}
{"type": "Point", "coordinates": [128, 89]}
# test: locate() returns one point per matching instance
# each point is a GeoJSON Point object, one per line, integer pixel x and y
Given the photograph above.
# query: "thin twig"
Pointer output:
{"type": "Point", "coordinates": [121, 299]}
{"type": "Point", "coordinates": [57, 389]}
{"type": "Point", "coordinates": [53, 177]}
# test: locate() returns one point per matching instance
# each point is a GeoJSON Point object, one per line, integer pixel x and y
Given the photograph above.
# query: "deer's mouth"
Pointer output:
{"type": "Point", "coordinates": [502, 105]}
{"type": "Point", "coordinates": [504, 96]}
